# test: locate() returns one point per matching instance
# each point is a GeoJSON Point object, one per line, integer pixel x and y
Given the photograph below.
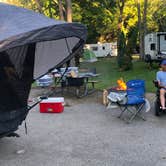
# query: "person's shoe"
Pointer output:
{"type": "Point", "coordinates": [163, 109]}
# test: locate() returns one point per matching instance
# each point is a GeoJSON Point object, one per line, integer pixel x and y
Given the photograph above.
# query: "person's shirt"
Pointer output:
{"type": "Point", "coordinates": [161, 77]}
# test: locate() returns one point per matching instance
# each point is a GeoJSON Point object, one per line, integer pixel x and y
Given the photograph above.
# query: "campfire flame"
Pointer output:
{"type": "Point", "coordinates": [121, 84]}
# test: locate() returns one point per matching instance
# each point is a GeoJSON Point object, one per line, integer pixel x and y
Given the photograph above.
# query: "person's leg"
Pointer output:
{"type": "Point", "coordinates": [162, 98]}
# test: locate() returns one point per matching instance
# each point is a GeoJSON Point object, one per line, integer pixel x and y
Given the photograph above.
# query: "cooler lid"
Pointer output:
{"type": "Point", "coordinates": [53, 100]}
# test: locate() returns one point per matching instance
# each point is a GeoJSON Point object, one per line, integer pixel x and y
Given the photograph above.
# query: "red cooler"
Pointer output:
{"type": "Point", "coordinates": [52, 105]}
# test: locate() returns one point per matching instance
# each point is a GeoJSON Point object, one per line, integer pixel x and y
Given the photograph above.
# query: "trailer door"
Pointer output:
{"type": "Point", "coordinates": [162, 43]}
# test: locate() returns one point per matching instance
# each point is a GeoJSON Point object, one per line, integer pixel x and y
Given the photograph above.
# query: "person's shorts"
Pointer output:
{"type": "Point", "coordinates": [163, 88]}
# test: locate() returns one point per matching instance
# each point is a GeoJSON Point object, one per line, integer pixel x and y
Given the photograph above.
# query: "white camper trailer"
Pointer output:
{"type": "Point", "coordinates": [102, 49]}
{"type": "Point", "coordinates": [114, 49]}
{"type": "Point", "coordinates": [155, 46]}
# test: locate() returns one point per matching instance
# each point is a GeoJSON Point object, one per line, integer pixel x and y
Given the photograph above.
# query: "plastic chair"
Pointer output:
{"type": "Point", "coordinates": [135, 100]}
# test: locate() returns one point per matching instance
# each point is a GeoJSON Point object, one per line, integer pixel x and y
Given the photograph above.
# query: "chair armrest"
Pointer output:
{"type": "Point", "coordinates": [156, 83]}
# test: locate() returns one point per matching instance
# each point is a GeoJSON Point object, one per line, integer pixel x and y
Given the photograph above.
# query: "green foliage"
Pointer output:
{"type": "Point", "coordinates": [127, 63]}
{"type": "Point", "coordinates": [132, 37]}
{"type": "Point", "coordinates": [109, 73]}
{"type": "Point", "coordinates": [160, 16]}
{"type": "Point", "coordinates": [130, 16]}
{"type": "Point", "coordinates": [126, 36]}
{"type": "Point", "coordinates": [101, 18]}
{"type": "Point", "coordinates": [156, 16]}
{"type": "Point", "coordinates": [124, 57]}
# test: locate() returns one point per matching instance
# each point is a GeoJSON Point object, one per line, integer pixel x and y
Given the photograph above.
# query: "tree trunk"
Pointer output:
{"type": "Point", "coordinates": [144, 16]}
{"type": "Point", "coordinates": [69, 10]}
{"type": "Point", "coordinates": [140, 29]}
{"type": "Point", "coordinates": [49, 8]}
{"type": "Point", "coordinates": [142, 26]}
{"type": "Point", "coordinates": [61, 14]}
{"type": "Point", "coordinates": [121, 37]}
{"type": "Point", "coordinates": [120, 25]}
{"type": "Point", "coordinates": [39, 6]}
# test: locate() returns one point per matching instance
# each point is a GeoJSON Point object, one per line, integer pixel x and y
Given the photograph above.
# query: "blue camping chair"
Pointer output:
{"type": "Point", "coordinates": [135, 99]}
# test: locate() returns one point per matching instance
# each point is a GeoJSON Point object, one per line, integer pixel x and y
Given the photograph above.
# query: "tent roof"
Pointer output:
{"type": "Point", "coordinates": [19, 26]}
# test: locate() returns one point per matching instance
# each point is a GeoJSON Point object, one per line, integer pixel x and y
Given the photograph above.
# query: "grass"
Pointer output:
{"type": "Point", "coordinates": [107, 67]}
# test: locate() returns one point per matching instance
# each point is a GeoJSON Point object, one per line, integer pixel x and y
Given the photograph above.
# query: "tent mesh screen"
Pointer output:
{"type": "Point", "coordinates": [16, 76]}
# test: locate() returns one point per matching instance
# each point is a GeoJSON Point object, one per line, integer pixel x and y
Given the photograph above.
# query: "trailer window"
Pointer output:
{"type": "Point", "coordinates": [94, 48]}
{"type": "Point", "coordinates": [164, 37]}
{"type": "Point", "coordinates": [103, 48]}
{"type": "Point", "coordinates": [152, 46]}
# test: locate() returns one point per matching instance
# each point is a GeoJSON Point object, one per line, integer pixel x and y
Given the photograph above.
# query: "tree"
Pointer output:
{"type": "Point", "coordinates": [121, 40]}
{"type": "Point", "coordinates": [100, 18]}
{"type": "Point", "coordinates": [39, 5]}
{"type": "Point", "coordinates": [121, 37]}
{"type": "Point", "coordinates": [159, 16]}
{"type": "Point", "coordinates": [68, 10]}
{"type": "Point", "coordinates": [142, 25]}
{"type": "Point", "coordinates": [61, 10]}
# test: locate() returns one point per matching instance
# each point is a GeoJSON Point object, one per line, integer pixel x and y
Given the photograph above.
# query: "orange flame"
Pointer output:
{"type": "Point", "coordinates": [121, 84]}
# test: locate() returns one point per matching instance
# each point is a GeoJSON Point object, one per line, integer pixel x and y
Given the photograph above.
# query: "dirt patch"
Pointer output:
{"type": "Point", "coordinates": [71, 99]}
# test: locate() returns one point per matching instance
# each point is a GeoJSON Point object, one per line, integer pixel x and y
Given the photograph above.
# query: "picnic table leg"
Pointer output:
{"type": "Point", "coordinates": [86, 87]}
{"type": "Point", "coordinates": [85, 92]}
{"type": "Point", "coordinates": [93, 85]}
{"type": "Point", "coordinates": [78, 91]}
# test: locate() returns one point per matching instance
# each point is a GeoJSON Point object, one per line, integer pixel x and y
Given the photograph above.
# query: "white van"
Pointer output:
{"type": "Point", "coordinates": [155, 46]}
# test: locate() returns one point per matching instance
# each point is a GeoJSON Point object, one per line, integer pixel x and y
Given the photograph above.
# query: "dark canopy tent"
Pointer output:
{"type": "Point", "coordinates": [30, 46]}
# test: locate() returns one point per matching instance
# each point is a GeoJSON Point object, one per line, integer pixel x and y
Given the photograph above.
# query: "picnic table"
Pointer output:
{"type": "Point", "coordinates": [79, 79]}
{"type": "Point", "coordinates": [82, 81]}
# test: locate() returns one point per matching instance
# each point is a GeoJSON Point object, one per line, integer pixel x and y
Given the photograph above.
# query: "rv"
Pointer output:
{"type": "Point", "coordinates": [102, 49]}
{"type": "Point", "coordinates": [114, 49]}
{"type": "Point", "coordinates": [155, 46]}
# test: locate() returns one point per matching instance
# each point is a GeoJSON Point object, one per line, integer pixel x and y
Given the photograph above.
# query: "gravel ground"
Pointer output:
{"type": "Point", "coordinates": [86, 134]}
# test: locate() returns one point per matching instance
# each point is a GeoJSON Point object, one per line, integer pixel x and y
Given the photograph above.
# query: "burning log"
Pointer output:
{"type": "Point", "coordinates": [121, 84]}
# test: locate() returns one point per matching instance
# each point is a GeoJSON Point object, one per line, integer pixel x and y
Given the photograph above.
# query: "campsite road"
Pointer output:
{"type": "Point", "coordinates": [86, 134]}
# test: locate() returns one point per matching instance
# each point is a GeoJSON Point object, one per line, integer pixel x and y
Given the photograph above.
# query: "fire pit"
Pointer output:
{"type": "Point", "coordinates": [118, 93]}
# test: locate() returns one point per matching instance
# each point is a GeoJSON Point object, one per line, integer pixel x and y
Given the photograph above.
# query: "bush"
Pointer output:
{"type": "Point", "coordinates": [125, 63]}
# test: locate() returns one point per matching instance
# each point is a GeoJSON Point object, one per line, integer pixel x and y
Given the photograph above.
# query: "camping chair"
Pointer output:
{"type": "Point", "coordinates": [135, 100]}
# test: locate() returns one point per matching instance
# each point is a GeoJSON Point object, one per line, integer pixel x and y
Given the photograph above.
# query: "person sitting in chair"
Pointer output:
{"type": "Point", "coordinates": [161, 78]}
